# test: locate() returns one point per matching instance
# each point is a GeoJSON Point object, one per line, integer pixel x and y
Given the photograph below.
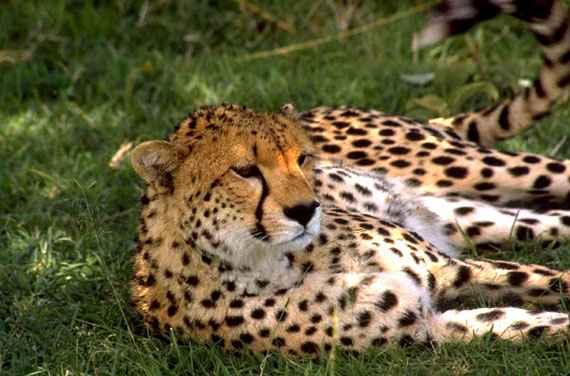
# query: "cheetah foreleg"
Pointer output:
{"type": "Point", "coordinates": [509, 323]}
{"type": "Point", "coordinates": [471, 223]}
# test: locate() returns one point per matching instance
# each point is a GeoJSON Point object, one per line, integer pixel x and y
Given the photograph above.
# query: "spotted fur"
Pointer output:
{"type": "Point", "coordinates": [338, 228]}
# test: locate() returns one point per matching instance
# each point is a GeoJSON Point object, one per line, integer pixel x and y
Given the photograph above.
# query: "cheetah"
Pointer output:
{"type": "Point", "coordinates": [341, 228]}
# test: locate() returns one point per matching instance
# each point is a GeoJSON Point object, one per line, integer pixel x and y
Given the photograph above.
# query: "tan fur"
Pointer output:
{"type": "Point", "coordinates": [301, 233]}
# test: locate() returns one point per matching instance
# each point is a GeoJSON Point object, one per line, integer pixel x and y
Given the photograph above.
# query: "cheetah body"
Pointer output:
{"type": "Point", "coordinates": [340, 227]}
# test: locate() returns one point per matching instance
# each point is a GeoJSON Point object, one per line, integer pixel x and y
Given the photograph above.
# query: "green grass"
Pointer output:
{"type": "Point", "coordinates": [98, 74]}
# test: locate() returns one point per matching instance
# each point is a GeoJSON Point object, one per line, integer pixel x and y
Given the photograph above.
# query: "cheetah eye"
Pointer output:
{"type": "Point", "coordinates": [250, 171]}
{"type": "Point", "coordinates": [302, 159]}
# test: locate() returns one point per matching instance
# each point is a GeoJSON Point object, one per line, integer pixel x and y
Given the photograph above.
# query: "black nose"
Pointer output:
{"type": "Point", "coordinates": [302, 213]}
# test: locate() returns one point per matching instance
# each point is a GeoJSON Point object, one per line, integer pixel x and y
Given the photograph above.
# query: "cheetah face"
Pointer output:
{"type": "Point", "coordinates": [262, 203]}
{"type": "Point", "coordinates": [240, 188]}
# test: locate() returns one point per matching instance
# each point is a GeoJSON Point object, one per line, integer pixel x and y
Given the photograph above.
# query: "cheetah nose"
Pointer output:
{"type": "Point", "coordinates": [302, 213]}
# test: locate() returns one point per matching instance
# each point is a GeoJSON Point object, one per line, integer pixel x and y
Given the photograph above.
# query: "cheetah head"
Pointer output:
{"type": "Point", "coordinates": [235, 183]}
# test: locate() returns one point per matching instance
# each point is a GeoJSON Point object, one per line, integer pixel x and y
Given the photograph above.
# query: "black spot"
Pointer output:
{"type": "Point", "coordinates": [415, 277]}
{"type": "Point", "coordinates": [491, 315]}
{"type": "Point", "coordinates": [316, 318]}
{"type": "Point", "coordinates": [517, 278]}
{"type": "Point", "coordinates": [331, 148]}
{"type": "Point", "coordinates": [238, 345]}
{"type": "Point", "coordinates": [505, 265]}
{"type": "Point", "coordinates": [154, 305]}
{"type": "Point", "coordinates": [444, 183]}
{"type": "Point", "coordinates": [336, 177]}
{"type": "Point", "coordinates": [246, 338]}
{"type": "Point", "coordinates": [304, 305]}
{"type": "Point", "coordinates": [565, 220]}
{"type": "Point", "coordinates": [294, 328]}
{"type": "Point", "coordinates": [347, 196]}
{"type": "Point", "coordinates": [309, 347]}
{"type": "Point", "coordinates": [542, 182]}
{"type": "Point", "coordinates": [362, 190]}
{"type": "Point", "coordinates": [473, 231]}
{"type": "Point", "coordinates": [364, 318]}
{"type": "Point", "coordinates": [406, 341]}
{"type": "Point", "coordinates": [379, 342]}
{"type": "Point", "coordinates": [258, 314]}
{"type": "Point", "coordinates": [456, 172]}
{"type": "Point", "coordinates": [398, 150]}
{"type": "Point", "coordinates": [340, 124]}
{"type": "Point", "coordinates": [443, 160]}
{"type": "Point", "coordinates": [400, 163]}
{"type": "Point", "coordinates": [504, 122]}
{"type": "Point", "coordinates": [473, 132]}
{"type": "Point", "coordinates": [361, 143]}
{"type": "Point", "coordinates": [407, 319]}
{"type": "Point", "coordinates": [281, 315]}
{"type": "Point", "coordinates": [346, 341]}
{"type": "Point", "coordinates": [537, 292]}
{"type": "Point", "coordinates": [307, 267]}
{"type": "Point", "coordinates": [559, 320]}
{"type": "Point", "coordinates": [519, 171]}
{"type": "Point", "coordinates": [388, 301]}
{"type": "Point", "coordinates": [531, 159]}
{"type": "Point", "coordinates": [144, 200]}
{"type": "Point", "coordinates": [545, 272]}
{"type": "Point", "coordinates": [356, 131]}
{"type": "Point", "coordinates": [537, 331]}
{"type": "Point", "coordinates": [487, 172]}
{"type": "Point", "coordinates": [391, 123]}
{"type": "Point", "coordinates": [512, 299]}
{"type": "Point", "coordinates": [278, 342]}
{"type": "Point", "coordinates": [215, 295]}
{"type": "Point", "coordinates": [432, 283]}
{"type": "Point", "coordinates": [463, 276]}
{"type": "Point", "coordinates": [519, 325]}
{"type": "Point", "coordinates": [464, 210]}
{"type": "Point", "coordinates": [356, 155]}
{"type": "Point", "coordinates": [414, 136]}
{"type": "Point", "coordinates": [524, 233]}
{"type": "Point", "coordinates": [484, 186]}
{"type": "Point", "coordinates": [217, 340]}
{"type": "Point", "coordinates": [555, 167]}
{"type": "Point", "coordinates": [149, 281]}
{"type": "Point", "coordinates": [318, 139]}
{"type": "Point", "coordinates": [493, 161]}
{"type": "Point", "coordinates": [264, 332]}
{"type": "Point", "coordinates": [455, 151]}
{"type": "Point", "coordinates": [558, 285]}
{"type": "Point", "coordinates": [233, 321]}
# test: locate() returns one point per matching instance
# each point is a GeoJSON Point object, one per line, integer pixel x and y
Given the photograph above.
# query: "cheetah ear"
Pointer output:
{"type": "Point", "coordinates": [289, 110]}
{"type": "Point", "coordinates": [152, 160]}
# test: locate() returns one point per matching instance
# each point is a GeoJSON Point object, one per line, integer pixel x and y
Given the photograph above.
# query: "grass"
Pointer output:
{"type": "Point", "coordinates": [79, 78]}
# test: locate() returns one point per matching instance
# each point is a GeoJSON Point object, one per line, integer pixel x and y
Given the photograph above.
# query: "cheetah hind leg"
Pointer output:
{"type": "Point", "coordinates": [514, 324]}
{"type": "Point", "coordinates": [471, 223]}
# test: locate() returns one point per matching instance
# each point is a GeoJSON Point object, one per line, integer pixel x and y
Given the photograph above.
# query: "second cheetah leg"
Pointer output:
{"type": "Point", "coordinates": [473, 223]}
{"type": "Point", "coordinates": [507, 323]}
{"type": "Point", "coordinates": [499, 279]}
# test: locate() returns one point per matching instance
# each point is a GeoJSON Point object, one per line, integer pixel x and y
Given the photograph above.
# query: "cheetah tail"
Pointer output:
{"type": "Point", "coordinates": [549, 21]}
